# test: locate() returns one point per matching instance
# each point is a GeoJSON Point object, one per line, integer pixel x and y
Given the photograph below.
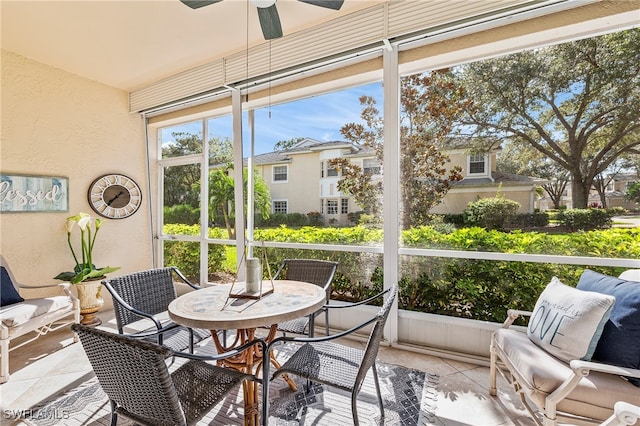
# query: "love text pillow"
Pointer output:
{"type": "Point", "coordinates": [567, 322]}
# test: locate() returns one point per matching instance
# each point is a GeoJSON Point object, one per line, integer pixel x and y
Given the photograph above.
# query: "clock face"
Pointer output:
{"type": "Point", "coordinates": [114, 196]}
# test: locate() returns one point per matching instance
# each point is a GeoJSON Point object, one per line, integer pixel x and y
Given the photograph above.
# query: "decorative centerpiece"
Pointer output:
{"type": "Point", "coordinates": [253, 288]}
{"type": "Point", "coordinates": [85, 275]}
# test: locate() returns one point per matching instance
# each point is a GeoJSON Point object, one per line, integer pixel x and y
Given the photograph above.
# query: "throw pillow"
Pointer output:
{"type": "Point", "coordinates": [9, 295]}
{"type": "Point", "coordinates": [567, 322]}
{"type": "Point", "coordinates": [620, 341]}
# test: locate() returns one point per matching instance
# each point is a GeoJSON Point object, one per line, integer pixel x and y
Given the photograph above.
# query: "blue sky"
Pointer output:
{"type": "Point", "coordinates": [318, 117]}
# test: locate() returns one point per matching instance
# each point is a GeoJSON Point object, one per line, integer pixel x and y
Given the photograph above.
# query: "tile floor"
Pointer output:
{"type": "Point", "coordinates": [53, 363]}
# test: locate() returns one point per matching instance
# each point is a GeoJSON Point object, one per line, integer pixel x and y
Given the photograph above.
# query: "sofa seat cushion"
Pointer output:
{"type": "Point", "coordinates": [541, 373]}
{"type": "Point", "coordinates": [20, 313]}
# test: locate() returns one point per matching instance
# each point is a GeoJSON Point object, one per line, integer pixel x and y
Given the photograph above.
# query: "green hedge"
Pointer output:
{"type": "Point", "coordinates": [585, 219]}
{"type": "Point", "coordinates": [186, 254]}
{"type": "Point", "coordinates": [477, 289]}
{"type": "Point", "coordinates": [182, 214]}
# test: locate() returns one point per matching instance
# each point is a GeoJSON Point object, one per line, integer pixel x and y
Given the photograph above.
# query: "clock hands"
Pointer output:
{"type": "Point", "coordinates": [114, 198]}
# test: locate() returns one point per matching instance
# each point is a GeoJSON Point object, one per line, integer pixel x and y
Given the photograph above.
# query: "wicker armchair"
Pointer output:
{"type": "Point", "coordinates": [318, 272]}
{"type": "Point", "coordinates": [136, 379]}
{"type": "Point", "coordinates": [343, 367]}
{"type": "Point", "coordinates": [146, 295]}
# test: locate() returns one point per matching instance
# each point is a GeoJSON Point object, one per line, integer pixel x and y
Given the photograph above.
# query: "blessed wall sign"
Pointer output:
{"type": "Point", "coordinates": [21, 193]}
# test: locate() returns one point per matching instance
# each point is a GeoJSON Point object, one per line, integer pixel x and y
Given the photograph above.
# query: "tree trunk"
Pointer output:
{"type": "Point", "coordinates": [225, 214]}
{"type": "Point", "coordinates": [579, 193]}
{"type": "Point", "coordinates": [603, 199]}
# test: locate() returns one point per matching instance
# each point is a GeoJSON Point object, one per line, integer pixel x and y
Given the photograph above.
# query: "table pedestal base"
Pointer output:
{"type": "Point", "coordinates": [246, 362]}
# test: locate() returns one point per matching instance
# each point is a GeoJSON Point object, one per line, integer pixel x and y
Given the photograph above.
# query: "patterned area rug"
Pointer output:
{"type": "Point", "coordinates": [409, 398]}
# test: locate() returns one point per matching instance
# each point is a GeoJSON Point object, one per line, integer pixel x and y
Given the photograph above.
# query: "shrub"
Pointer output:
{"type": "Point", "coordinates": [315, 218]}
{"type": "Point", "coordinates": [616, 211]}
{"type": "Point", "coordinates": [490, 213]}
{"type": "Point", "coordinates": [354, 217]}
{"type": "Point", "coordinates": [186, 254]}
{"type": "Point", "coordinates": [289, 219]}
{"type": "Point", "coordinates": [468, 288]}
{"type": "Point", "coordinates": [529, 220]}
{"type": "Point", "coordinates": [585, 219]}
{"type": "Point", "coordinates": [456, 219]}
{"type": "Point", "coordinates": [182, 213]}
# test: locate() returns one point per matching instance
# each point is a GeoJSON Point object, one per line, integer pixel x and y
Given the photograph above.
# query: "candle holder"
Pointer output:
{"type": "Point", "coordinates": [253, 284]}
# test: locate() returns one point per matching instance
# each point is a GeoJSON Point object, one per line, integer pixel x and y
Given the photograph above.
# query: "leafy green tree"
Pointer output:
{"type": "Point", "coordinates": [221, 192]}
{"type": "Point", "coordinates": [287, 144]}
{"type": "Point", "coordinates": [523, 159]}
{"type": "Point", "coordinates": [576, 103]}
{"type": "Point", "coordinates": [220, 150]}
{"type": "Point", "coordinates": [633, 192]}
{"type": "Point", "coordinates": [182, 183]}
{"type": "Point", "coordinates": [428, 104]}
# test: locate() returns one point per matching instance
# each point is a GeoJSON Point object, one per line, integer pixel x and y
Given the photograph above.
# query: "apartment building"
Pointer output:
{"type": "Point", "coordinates": [301, 179]}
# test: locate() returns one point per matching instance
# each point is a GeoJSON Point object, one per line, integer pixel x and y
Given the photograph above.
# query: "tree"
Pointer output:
{"type": "Point", "coordinates": [221, 192]}
{"type": "Point", "coordinates": [576, 103]}
{"type": "Point", "coordinates": [182, 183]}
{"type": "Point", "coordinates": [633, 192]}
{"type": "Point", "coordinates": [287, 144]}
{"type": "Point", "coordinates": [603, 179]}
{"type": "Point", "coordinates": [525, 160]}
{"type": "Point", "coordinates": [428, 104]}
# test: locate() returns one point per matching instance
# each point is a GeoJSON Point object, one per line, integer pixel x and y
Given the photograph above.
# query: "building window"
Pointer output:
{"type": "Point", "coordinates": [332, 206]}
{"type": "Point", "coordinates": [344, 207]}
{"type": "Point", "coordinates": [371, 166]}
{"type": "Point", "coordinates": [280, 206]}
{"type": "Point", "coordinates": [477, 164]}
{"type": "Point", "coordinates": [331, 171]}
{"type": "Point", "coordinates": [322, 169]}
{"type": "Point", "coordinates": [280, 173]}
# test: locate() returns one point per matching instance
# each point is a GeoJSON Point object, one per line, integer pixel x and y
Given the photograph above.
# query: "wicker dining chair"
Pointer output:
{"type": "Point", "coordinates": [320, 360]}
{"type": "Point", "coordinates": [318, 272]}
{"type": "Point", "coordinates": [134, 375]}
{"type": "Point", "coordinates": [147, 294]}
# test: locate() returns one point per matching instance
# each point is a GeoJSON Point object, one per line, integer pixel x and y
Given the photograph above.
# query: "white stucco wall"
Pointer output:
{"type": "Point", "coordinates": [58, 124]}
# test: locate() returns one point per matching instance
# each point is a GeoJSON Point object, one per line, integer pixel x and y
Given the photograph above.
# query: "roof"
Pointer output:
{"type": "Point", "coordinates": [501, 178]}
{"type": "Point", "coordinates": [472, 142]}
{"type": "Point", "coordinates": [309, 145]}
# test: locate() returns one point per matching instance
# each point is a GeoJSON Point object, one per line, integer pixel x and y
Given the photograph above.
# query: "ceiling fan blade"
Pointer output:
{"type": "Point", "coordinates": [197, 4]}
{"type": "Point", "coordinates": [329, 4]}
{"type": "Point", "coordinates": [270, 22]}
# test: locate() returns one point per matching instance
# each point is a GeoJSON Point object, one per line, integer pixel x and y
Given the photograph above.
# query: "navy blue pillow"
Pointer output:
{"type": "Point", "coordinates": [620, 341]}
{"type": "Point", "coordinates": [9, 294]}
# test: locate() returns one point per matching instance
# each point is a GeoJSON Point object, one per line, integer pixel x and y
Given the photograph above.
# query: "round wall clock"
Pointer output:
{"type": "Point", "coordinates": [114, 196]}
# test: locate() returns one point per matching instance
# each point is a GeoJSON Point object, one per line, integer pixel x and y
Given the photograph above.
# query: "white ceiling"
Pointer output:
{"type": "Point", "coordinates": [129, 44]}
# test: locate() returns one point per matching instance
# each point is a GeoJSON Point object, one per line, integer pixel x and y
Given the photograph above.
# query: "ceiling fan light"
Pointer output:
{"type": "Point", "coordinates": [263, 3]}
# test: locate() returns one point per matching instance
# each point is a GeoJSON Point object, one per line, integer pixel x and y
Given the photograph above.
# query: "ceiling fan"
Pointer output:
{"type": "Point", "coordinates": [267, 12]}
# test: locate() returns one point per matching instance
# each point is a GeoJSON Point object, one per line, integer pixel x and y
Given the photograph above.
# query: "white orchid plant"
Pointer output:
{"type": "Point", "coordinates": [85, 269]}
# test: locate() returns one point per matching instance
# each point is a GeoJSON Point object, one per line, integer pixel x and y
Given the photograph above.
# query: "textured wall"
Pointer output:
{"type": "Point", "coordinates": [58, 124]}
